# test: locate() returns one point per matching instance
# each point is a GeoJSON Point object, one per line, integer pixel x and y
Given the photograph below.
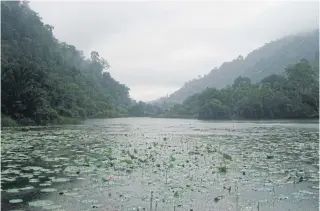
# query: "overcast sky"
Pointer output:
{"type": "Point", "coordinates": [154, 47]}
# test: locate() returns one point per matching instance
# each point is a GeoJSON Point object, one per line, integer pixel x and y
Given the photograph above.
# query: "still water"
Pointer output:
{"type": "Point", "coordinates": [161, 164]}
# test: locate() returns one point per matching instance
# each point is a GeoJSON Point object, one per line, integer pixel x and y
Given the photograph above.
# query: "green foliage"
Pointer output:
{"type": "Point", "coordinates": [141, 109]}
{"type": "Point", "coordinates": [222, 169]}
{"type": "Point", "coordinates": [7, 121]}
{"type": "Point", "coordinates": [172, 158]}
{"type": "Point", "coordinates": [265, 61]}
{"type": "Point", "coordinates": [213, 109]}
{"type": "Point", "coordinates": [176, 194]}
{"type": "Point", "coordinates": [65, 121]}
{"type": "Point", "coordinates": [226, 156]}
{"type": "Point", "coordinates": [45, 81]}
{"type": "Point", "coordinates": [127, 161]}
{"type": "Point", "coordinates": [293, 95]}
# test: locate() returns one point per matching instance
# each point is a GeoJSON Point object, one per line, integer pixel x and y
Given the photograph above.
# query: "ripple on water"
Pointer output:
{"type": "Point", "coordinates": [34, 180]}
{"type": "Point", "coordinates": [52, 207]}
{"type": "Point", "coordinates": [45, 184]}
{"type": "Point", "coordinates": [15, 201]}
{"type": "Point", "coordinates": [71, 194]}
{"type": "Point", "coordinates": [61, 179]}
{"type": "Point", "coordinates": [48, 190]}
{"type": "Point", "coordinates": [40, 203]}
{"type": "Point", "coordinates": [91, 162]}
{"type": "Point", "coordinates": [13, 190]}
{"type": "Point", "coordinates": [27, 188]}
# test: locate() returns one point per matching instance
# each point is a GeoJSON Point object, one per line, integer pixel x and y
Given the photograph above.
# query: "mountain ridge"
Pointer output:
{"type": "Point", "coordinates": [271, 58]}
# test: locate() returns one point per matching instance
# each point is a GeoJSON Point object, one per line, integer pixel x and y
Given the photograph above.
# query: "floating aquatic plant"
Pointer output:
{"type": "Point", "coordinates": [226, 156]}
{"type": "Point", "coordinates": [188, 169]}
{"type": "Point", "coordinates": [222, 169]}
{"type": "Point", "coordinates": [127, 161]}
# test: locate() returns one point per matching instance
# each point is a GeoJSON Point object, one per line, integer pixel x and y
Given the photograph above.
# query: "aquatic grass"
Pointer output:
{"type": "Point", "coordinates": [151, 200]}
{"type": "Point", "coordinates": [193, 179]}
{"type": "Point", "coordinates": [222, 169]}
{"type": "Point", "coordinates": [132, 156]}
{"type": "Point", "coordinates": [86, 161]}
{"type": "Point", "coordinates": [127, 161]}
{"type": "Point", "coordinates": [172, 159]}
{"type": "Point", "coordinates": [217, 198]}
{"type": "Point", "coordinates": [226, 156]}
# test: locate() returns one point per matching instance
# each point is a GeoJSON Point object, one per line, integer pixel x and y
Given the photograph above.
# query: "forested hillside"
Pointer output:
{"type": "Point", "coordinates": [269, 59]}
{"type": "Point", "coordinates": [46, 81]}
{"type": "Point", "coordinates": [293, 94]}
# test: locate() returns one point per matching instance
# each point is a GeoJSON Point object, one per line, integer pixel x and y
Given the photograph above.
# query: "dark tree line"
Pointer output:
{"type": "Point", "coordinates": [46, 81]}
{"type": "Point", "coordinates": [295, 94]}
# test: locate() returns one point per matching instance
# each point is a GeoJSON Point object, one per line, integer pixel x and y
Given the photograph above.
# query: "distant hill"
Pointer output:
{"type": "Point", "coordinates": [266, 60]}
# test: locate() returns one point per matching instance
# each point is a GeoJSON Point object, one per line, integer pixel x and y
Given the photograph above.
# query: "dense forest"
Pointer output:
{"type": "Point", "coordinates": [294, 94]}
{"type": "Point", "coordinates": [46, 81]}
{"type": "Point", "coordinates": [266, 60]}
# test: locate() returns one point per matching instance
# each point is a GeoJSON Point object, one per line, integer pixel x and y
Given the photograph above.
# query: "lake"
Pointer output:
{"type": "Point", "coordinates": [162, 164]}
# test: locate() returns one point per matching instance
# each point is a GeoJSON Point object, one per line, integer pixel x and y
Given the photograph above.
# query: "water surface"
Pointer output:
{"type": "Point", "coordinates": [161, 164]}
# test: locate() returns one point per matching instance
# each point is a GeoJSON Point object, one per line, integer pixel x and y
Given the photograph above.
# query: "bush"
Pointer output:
{"type": "Point", "coordinates": [106, 114]}
{"type": "Point", "coordinates": [82, 113]}
{"type": "Point", "coordinates": [44, 116]}
{"type": "Point", "coordinates": [7, 121]}
{"type": "Point", "coordinates": [67, 120]}
{"type": "Point", "coordinates": [65, 112]}
{"type": "Point", "coordinates": [26, 121]}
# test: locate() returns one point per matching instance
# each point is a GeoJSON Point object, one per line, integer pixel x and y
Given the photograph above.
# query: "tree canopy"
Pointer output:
{"type": "Point", "coordinates": [45, 80]}
{"type": "Point", "coordinates": [295, 94]}
{"type": "Point", "coordinates": [266, 60]}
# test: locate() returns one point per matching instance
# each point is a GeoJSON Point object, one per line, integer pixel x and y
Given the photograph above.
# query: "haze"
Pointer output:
{"type": "Point", "coordinates": [155, 47]}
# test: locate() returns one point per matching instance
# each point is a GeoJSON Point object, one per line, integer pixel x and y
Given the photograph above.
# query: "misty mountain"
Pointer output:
{"type": "Point", "coordinates": [46, 81]}
{"type": "Point", "coordinates": [269, 59]}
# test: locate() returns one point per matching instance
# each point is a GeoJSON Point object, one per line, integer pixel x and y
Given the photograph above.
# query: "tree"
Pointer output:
{"type": "Point", "coordinates": [292, 95]}
{"type": "Point", "coordinates": [47, 81]}
{"type": "Point", "coordinates": [213, 109]}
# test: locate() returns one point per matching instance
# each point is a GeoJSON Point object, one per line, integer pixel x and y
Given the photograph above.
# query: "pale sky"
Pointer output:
{"type": "Point", "coordinates": [154, 47]}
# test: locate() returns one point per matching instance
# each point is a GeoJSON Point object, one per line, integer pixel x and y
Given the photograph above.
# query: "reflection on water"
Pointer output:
{"type": "Point", "coordinates": [114, 164]}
